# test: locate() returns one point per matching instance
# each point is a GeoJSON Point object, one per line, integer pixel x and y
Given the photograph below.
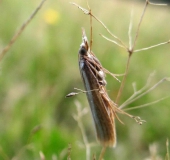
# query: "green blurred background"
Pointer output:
{"type": "Point", "coordinates": [42, 67]}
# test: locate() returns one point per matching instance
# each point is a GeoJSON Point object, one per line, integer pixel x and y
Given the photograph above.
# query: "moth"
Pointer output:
{"type": "Point", "coordinates": [104, 110]}
{"type": "Point", "coordinates": [102, 107]}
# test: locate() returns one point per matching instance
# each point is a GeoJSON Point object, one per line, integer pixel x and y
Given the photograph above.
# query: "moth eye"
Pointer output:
{"type": "Point", "coordinates": [82, 51]}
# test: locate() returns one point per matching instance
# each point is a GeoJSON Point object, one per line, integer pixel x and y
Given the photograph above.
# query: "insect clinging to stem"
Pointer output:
{"type": "Point", "coordinates": [103, 109]}
{"type": "Point", "coordinates": [93, 76]}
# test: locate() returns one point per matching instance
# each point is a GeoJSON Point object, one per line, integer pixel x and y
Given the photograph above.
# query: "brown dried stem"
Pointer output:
{"type": "Point", "coordinates": [119, 40]}
{"type": "Point", "coordinates": [137, 92]}
{"type": "Point", "coordinates": [69, 152]}
{"type": "Point", "coordinates": [88, 12]}
{"type": "Point", "coordinates": [110, 40]}
{"type": "Point", "coordinates": [130, 51]}
{"type": "Point", "coordinates": [102, 152]}
{"type": "Point", "coordinates": [140, 93]}
{"type": "Point", "coordinates": [156, 45]}
{"type": "Point", "coordinates": [123, 81]}
{"type": "Point", "coordinates": [18, 33]}
{"type": "Point", "coordinates": [137, 32]}
{"type": "Point", "coordinates": [138, 28]}
{"type": "Point", "coordinates": [78, 117]}
{"type": "Point", "coordinates": [130, 30]}
{"type": "Point", "coordinates": [147, 104]}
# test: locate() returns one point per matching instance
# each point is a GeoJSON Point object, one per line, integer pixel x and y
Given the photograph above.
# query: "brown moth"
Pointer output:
{"type": "Point", "coordinates": [102, 107]}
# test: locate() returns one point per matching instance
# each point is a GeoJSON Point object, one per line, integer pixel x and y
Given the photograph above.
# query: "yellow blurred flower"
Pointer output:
{"type": "Point", "coordinates": [51, 16]}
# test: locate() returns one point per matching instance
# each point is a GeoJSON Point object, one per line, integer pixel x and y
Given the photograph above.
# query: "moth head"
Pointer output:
{"type": "Point", "coordinates": [84, 47]}
{"type": "Point", "coordinates": [82, 50]}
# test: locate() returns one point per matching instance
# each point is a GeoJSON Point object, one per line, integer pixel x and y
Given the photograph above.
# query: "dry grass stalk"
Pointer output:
{"type": "Point", "coordinates": [21, 29]}
{"type": "Point", "coordinates": [153, 149]}
{"type": "Point", "coordinates": [102, 153]}
{"type": "Point", "coordinates": [78, 118]}
{"type": "Point", "coordinates": [69, 152]}
{"type": "Point", "coordinates": [143, 91]}
{"type": "Point", "coordinates": [42, 156]}
{"type": "Point", "coordinates": [89, 12]}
